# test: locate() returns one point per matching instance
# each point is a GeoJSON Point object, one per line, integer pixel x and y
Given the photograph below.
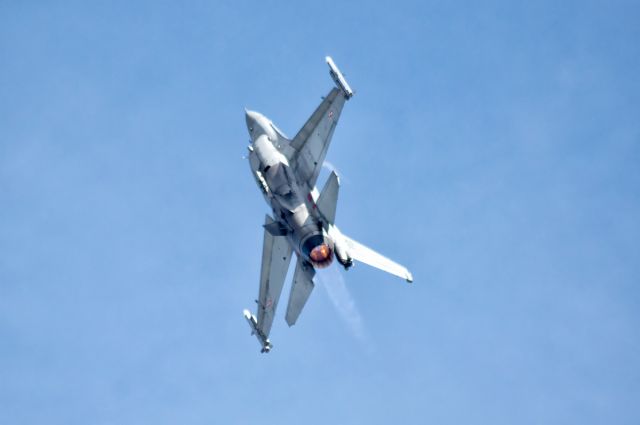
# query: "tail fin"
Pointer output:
{"type": "Point", "coordinates": [328, 199]}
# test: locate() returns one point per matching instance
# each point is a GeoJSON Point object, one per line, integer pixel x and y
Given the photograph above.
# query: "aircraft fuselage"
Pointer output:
{"type": "Point", "coordinates": [303, 219]}
{"type": "Point", "coordinates": [293, 205]}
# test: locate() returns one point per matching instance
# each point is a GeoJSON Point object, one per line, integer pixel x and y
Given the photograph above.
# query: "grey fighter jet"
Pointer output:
{"type": "Point", "coordinates": [303, 219]}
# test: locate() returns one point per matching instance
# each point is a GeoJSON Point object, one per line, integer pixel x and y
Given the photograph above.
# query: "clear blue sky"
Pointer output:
{"type": "Point", "coordinates": [493, 148]}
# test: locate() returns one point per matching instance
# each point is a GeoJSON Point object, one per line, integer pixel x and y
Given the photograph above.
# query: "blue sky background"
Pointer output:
{"type": "Point", "coordinates": [493, 148]}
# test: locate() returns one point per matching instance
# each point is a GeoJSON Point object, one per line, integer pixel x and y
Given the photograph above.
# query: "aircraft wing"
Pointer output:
{"type": "Point", "coordinates": [311, 143]}
{"type": "Point", "coordinates": [276, 256]}
{"type": "Point", "coordinates": [366, 255]}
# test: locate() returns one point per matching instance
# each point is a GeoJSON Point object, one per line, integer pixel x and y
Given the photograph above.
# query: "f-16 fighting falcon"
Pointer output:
{"type": "Point", "coordinates": [303, 219]}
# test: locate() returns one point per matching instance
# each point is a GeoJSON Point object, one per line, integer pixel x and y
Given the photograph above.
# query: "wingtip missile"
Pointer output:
{"type": "Point", "coordinates": [253, 324]}
{"type": "Point", "coordinates": [338, 78]}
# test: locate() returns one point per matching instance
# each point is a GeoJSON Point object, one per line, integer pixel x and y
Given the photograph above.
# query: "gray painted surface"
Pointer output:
{"type": "Point", "coordinates": [286, 172]}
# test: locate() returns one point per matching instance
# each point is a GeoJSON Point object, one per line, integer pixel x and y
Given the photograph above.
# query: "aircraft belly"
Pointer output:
{"type": "Point", "coordinates": [303, 220]}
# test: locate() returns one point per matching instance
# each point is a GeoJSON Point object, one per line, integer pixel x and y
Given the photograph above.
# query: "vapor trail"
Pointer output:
{"type": "Point", "coordinates": [330, 167]}
{"type": "Point", "coordinates": [333, 282]}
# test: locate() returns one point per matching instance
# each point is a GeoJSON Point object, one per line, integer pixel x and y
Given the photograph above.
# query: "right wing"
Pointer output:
{"type": "Point", "coordinates": [276, 256]}
{"type": "Point", "coordinates": [366, 255]}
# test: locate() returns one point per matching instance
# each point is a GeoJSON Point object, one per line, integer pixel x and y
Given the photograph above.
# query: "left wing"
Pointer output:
{"type": "Point", "coordinates": [312, 141]}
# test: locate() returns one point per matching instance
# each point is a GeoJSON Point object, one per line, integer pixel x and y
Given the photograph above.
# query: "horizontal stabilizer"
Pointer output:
{"type": "Point", "coordinates": [366, 255]}
{"type": "Point", "coordinates": [300, 290]}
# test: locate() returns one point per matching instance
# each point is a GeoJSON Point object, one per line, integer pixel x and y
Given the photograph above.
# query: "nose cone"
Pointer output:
{"type": "Point", "coordinates": [252, 119]}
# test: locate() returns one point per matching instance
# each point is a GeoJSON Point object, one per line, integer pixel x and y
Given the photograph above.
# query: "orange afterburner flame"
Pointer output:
{"type": "Point", "coordinates": [321, 255]}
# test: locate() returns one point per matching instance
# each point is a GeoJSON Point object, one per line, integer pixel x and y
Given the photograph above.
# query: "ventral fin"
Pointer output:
{"type": "Point", "coordinates": [275, 228]}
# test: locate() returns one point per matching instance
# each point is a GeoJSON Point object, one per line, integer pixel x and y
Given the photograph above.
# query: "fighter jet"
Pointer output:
{"type": "Point", "coordinates": [303, 219]}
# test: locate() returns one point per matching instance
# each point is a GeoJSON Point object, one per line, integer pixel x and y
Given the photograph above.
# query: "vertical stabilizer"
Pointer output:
{"type": "Point", "coordinates": [328, 200]}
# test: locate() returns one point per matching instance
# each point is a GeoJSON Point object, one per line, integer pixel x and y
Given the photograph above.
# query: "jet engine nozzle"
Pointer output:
{"type": "Point", "coordinates": [319, 250]}
{"type": "Point", "coordinates": [320, 253]}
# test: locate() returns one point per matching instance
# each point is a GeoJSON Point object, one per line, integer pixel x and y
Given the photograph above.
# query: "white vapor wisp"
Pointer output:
{"type": "Point", "coordinates": [333, 282]}
{"type": "Point", "coordinates": [329, 167]}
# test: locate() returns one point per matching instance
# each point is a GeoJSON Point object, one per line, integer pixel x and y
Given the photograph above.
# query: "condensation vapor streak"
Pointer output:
{"type": "Point", "coordinates": [333, 282]}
